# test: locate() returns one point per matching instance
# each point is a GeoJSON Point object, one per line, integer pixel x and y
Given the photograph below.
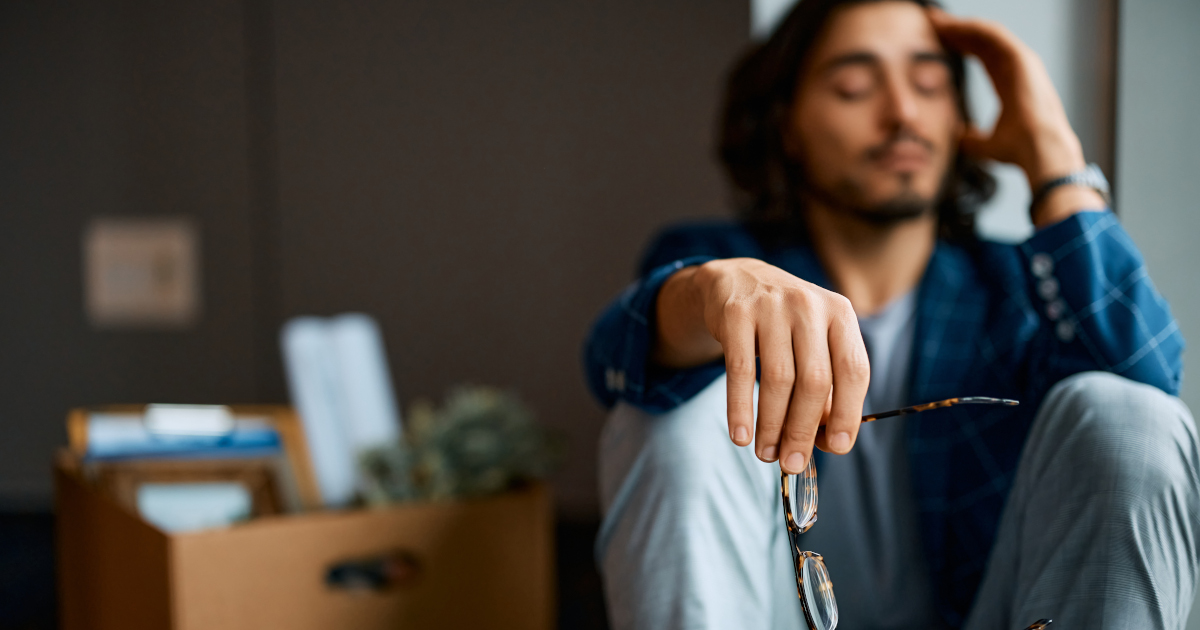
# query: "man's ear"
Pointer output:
{"type": "Point", "coordinates": [789, 137]}
{"type": "Point", "coordinates": [960, 131]}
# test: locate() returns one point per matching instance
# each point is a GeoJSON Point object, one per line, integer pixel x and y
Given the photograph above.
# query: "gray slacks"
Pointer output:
{"type": "Point", "coordinates": [1100, 530]}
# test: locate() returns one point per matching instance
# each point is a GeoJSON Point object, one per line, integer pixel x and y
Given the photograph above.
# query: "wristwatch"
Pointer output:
{"type": "Point", "coordinates": [1091, 177]}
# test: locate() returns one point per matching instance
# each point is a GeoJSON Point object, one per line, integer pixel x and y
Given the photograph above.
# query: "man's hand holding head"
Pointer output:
{"type": "Point", "coordinates": [1032, 130]}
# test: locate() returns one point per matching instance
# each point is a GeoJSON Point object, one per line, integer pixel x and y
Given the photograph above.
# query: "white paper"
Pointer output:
{"type": "Point", "coordinates": [185, 507]}
{"type": "Point", "coordinates": [189, 419]}
{"type": "Point", "coordinates": [316, 393]}
{"type": "Point", "coordinates": [340, 384]}
{"type": "Point", "coordinates": [369, 403]}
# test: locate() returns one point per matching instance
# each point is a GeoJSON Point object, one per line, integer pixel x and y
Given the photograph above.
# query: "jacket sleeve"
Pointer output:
{"type": "Point", "coordinates": [1098, 304]}
{"type": "Point", "coordinates": [616, 353]}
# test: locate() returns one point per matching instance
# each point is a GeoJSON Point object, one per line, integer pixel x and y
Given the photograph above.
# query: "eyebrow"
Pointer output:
{"type": "Point", "coordinates": [869, 58]}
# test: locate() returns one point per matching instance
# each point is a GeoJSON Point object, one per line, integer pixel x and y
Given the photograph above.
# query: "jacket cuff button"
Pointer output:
{"type": "Point", "coordinates": [1041, 264]}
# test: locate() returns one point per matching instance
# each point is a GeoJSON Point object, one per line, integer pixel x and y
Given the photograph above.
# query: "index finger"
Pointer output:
{"type": "Point", "coordinates": [737, 340]}
{"type": "Point", "coordinates": [990, 41]}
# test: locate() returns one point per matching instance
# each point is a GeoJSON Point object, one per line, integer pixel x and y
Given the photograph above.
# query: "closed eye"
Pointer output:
{"type": "Point", "coordinates": [854, 82]}
{"type": "Point", "coordinates": [930, 76]}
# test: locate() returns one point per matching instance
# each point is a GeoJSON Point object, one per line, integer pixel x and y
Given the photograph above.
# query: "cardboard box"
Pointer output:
{"type": "Point", "coordinates": [484, 563]}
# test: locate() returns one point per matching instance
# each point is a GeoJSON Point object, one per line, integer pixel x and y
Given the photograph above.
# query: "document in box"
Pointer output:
{"type": "Point", "coordinates": [126, 435]}
{"type": "Point", "coordinates": [185, 507]}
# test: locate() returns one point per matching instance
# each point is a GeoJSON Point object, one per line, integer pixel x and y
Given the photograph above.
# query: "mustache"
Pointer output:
{"type": "Point", "coordinates": [902, 134]}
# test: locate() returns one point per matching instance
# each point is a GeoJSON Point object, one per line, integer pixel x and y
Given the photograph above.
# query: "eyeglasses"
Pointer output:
{"type": "Point", "coordinates": [800, 513]}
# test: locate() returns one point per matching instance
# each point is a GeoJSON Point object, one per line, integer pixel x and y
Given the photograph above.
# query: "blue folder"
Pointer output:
{"type": "Point", "coordinates": [126, 436]}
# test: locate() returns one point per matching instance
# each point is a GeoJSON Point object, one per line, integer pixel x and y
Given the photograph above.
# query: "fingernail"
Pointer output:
{"type": "Point", "coordinates": [794, 463]}
{"type": "Point", "coordinates": [767, 454]}
{"type": "Point", "coordinates": [740, 435]}
{"type": "Point", "coordinates": [840, 442]}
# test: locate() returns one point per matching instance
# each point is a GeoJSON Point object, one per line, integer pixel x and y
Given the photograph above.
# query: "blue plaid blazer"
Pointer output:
{"type": "Point", "coordinates": [992, 320]}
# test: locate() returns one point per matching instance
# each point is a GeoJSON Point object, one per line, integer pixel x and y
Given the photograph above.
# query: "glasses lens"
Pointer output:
{"type": "Point", "coordinates": [818, 593]}
{"type": "Point", "coordinates": [802, 496]}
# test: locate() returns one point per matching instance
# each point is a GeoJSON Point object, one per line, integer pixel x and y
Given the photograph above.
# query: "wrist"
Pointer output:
{"type": "Point", "coordinates": [679, 327]}
{"type": "Point", "coordinates": [1063, 202]}
{"type": "Point", "coordinates": [1056, 155]}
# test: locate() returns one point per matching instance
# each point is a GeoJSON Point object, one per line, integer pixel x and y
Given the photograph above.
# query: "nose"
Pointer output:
{"type": "Point", "coordinates": [900, 107]}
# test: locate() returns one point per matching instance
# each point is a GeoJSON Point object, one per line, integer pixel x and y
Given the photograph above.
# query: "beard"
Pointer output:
{"type": "Point", "coordinates": [851, 196]}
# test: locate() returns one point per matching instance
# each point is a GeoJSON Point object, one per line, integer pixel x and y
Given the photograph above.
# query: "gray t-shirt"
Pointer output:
{"type": "Point", "coordinates": [867, 526]}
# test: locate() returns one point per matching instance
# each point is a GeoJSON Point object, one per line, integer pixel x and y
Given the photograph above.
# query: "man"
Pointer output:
{"type": "Point", "coordinates": [848, 135]}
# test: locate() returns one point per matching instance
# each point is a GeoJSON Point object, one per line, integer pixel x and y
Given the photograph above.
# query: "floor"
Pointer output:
{"type": "Point", "coordinates": [27, 600]}
{"type": "Point", "coordinates": [27, 596]}
{"type": "Point", "coordinates": [580, 598]}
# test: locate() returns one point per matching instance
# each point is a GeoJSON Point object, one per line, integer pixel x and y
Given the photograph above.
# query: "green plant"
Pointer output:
{"type": "Point", "coordinates": [481, 441]}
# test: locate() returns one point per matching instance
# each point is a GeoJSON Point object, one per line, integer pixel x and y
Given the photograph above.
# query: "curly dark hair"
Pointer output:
{"type": "Point", "coordinates": [760, 93]}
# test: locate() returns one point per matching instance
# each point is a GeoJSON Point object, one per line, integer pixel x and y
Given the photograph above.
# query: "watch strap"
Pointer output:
{"type": "Point", "coordinates": [1090, 176]}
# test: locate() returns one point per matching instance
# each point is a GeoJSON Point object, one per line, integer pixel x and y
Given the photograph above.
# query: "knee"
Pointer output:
{"type": "Point", "coordinates": [1127, 435]}
{"type": "Point", "coordinates": [661, 475]}
{"type": "Point", "coordinates": [678, 452]}
{"type": "Point", "coordinates": [688, 445]}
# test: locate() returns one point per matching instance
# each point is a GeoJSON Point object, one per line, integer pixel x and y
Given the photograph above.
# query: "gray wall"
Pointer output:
{"type": "Point", "coordinates": [115, 108]}
{"type": "Point", "coordinates": [478, 175]}
{"type": "Point", "coordinates": [1158, 155]}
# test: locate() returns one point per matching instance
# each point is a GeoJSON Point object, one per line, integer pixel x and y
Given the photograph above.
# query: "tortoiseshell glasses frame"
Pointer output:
{"type": "Point", "coordinates": [813, 585]}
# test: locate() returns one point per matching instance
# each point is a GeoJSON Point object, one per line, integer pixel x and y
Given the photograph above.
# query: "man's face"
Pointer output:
{"type": "Point", "coordinates": [875, 124]}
